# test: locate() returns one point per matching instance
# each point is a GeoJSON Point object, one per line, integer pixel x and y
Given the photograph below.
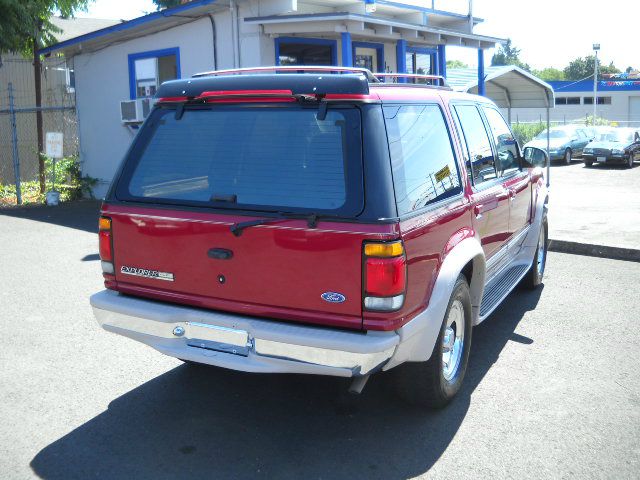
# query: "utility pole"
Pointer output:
{"type": "Point", "coordinates": [37, 77]}
{"type": "Point", "coordinates": [596, 47]}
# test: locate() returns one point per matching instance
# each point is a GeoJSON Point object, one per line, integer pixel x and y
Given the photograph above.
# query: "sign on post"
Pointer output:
{"type": "Point", "coordinates": [54, 145]}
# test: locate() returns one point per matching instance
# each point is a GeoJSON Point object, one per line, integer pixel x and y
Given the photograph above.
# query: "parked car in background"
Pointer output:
{"type": "Point", "coordinates": [617, 145]}
{"type": "Point", "coordinates": [566, 142]}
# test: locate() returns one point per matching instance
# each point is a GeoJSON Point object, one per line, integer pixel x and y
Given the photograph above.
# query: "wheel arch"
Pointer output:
{"type": "Point", "coordinates": [418, 336]}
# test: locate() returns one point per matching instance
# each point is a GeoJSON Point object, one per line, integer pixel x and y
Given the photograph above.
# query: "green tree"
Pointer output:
{"type": "Point", "coordinates": [549, 73]}
{"type": "Point", "coordinates": [507, 54]}
{"type": "Point", "coordinates": [167, 3]}
{"type": "Point", "coordinates": [456, 64]}
{"type": "Point", "coordinates": [583, 68]}
{"type": "Point", "coordinates": [25, 27]}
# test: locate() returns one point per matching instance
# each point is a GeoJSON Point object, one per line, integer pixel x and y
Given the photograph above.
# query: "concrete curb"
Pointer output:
{"type": "Point", "coordinates": [602, 251]}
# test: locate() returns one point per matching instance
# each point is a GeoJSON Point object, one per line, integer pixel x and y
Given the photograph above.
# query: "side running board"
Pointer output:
{"type": "Point", "coordinates": [500, 287]}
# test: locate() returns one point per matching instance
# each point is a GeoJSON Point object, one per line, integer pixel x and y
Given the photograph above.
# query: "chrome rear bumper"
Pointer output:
{"type": "Point", "coordinates": [240, 342]}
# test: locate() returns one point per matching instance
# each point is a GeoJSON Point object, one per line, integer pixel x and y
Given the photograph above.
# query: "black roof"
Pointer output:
{"type": "Point", "coordinates": [354, 84]}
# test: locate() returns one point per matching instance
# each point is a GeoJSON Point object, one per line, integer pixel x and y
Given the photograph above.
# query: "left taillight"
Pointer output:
{"type": "Point", "coordinates": [385, 276]}
{"type": "Point", "coordinates": [105, 242]}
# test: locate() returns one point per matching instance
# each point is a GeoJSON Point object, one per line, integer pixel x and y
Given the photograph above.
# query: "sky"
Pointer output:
{"type": "Point", "coordinates": [549, 33]}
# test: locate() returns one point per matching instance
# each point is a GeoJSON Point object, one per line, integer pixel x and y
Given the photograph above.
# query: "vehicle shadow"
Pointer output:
{"type": "Point", "coordinates": [196, 421]}
{"type": "Point", "coordinates": [81, 215]}
{"type": "Point", "coordinates": [612, 166]}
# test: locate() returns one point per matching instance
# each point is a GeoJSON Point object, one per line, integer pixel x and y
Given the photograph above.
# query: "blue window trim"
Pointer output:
{"type": "Point", "coordinates": [442, 61]}
{"type": "Point", "coordinates": [379, 47]}
{"type": "Point", "coordinates": [149, 54]}
{"type": "Point", "coordinates": [308, 41]}
{"type": "Point", "coordinates": [428, 51]}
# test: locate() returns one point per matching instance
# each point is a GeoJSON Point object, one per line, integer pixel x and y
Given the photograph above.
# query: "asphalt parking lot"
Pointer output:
{"type": "Point", "coordinates": [598, 205]}
{"type": "Point", "coordinates": [553, 389]}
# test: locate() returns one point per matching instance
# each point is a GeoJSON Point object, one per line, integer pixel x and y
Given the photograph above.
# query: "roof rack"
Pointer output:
{"type": "Point", "coordinates": [371, 78]}
{"type": "Point", "coordinates": [415, 76]}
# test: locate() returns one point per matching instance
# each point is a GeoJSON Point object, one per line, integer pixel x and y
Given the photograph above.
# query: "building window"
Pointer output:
{"type": "Point", "coordinates": [148, 70]}
{"type": "Point", "coordinates": [567, 100]}
{"type": "Point", "coordinates": [305, 51]}
{"type": "Point", "coordinates": [601, 100]}
{"type": "Point", "coordinates": [421, 61]}
{"type": "Point", "coordinates": [369, 55]}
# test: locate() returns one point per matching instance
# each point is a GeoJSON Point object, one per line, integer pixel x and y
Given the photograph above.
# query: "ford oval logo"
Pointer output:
{"type": "Point", "coordinates": [333, 297]}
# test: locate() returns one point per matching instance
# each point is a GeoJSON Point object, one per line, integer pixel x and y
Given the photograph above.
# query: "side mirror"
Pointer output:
{"type": "Point", "coordinates": [536, 157]}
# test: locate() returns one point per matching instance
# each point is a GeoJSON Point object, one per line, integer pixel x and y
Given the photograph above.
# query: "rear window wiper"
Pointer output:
{"type": "Point", "coordinates": [312, 221]}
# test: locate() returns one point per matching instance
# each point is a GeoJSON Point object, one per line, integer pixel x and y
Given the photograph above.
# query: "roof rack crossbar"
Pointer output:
{"type": "Point", "coordinates": [371, 78]}
{"type": "Point", "coordinates": [415, 76]}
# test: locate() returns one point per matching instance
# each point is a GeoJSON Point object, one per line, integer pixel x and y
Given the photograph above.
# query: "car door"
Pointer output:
{"type": "Point", "coordinates": [582, 138]}
{"type": "Point", "coordinates": [490, 198]}
{"type": "Point", "coordinates": [509, 167]}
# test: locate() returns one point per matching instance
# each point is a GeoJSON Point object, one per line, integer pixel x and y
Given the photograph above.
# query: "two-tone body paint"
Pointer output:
{"type": "Point", "coordinates": [281, 270]}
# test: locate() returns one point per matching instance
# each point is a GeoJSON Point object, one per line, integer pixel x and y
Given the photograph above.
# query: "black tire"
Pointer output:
{"type": "Point", "coordinates": [567, 156]}
{"type": "Point", "coordinates": [630, 161]}
{"type": "Point", "coordinates": [588, 163]}
{"type": "Point", "coordinates": [534, 276]}
{"type": "Point", "coordinates": [423, 383]}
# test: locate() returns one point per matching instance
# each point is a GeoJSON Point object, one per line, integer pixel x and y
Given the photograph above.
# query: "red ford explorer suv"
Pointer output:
{"type": "Point", "coordinates": [321, 221]}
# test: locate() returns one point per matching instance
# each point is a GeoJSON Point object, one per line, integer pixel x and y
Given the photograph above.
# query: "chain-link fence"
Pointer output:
{"type": "Point", "coordinates": [18, 116]}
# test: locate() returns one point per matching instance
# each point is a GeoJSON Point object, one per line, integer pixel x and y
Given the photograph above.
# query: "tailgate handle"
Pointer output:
{"type": "Point", "coordinates": [220, 254]}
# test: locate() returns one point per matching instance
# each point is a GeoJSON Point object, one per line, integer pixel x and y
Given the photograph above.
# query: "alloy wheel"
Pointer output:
{"type": "Point", "coordinates": [453, 341]}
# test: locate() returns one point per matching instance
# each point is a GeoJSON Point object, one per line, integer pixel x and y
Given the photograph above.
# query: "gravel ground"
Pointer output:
{"type": "Point", "coordinates": [553, 389]}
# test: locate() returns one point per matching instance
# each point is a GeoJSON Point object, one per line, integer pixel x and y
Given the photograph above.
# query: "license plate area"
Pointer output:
{"type": "Point", "coordinates": [218, 347]}
{"type": "Point", "coordinates": [601, 159]}
{"type": "Point", "coordinates": [219, 339]}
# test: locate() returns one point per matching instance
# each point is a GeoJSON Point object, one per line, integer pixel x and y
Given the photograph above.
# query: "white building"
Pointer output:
{"type": "Point", "coordinates": [130, 59]}
{"type": "Point", "coordinates": [618, 101]}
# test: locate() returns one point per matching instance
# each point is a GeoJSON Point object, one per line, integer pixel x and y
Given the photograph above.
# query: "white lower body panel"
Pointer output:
{"type": "Point", "coordinates": [242, 343]}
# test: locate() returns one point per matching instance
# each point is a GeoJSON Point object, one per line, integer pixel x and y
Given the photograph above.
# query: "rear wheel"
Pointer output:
{"type": "Point", "coordinates": [533, 278]}
{"type": "Point", "coordinates": [435, 382]}
{"type": "Point", "coordinates": [567, 156]}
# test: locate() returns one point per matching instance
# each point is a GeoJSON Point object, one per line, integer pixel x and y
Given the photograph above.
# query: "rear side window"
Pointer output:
{"type": "Point", "coordinates": [257, 158]}
{"type": "Point", "coordinates": [506, 144]}
{"type": "Point", "coordinates": [423, 163]}
{"type": "Point", "coordinates": [482, 161]}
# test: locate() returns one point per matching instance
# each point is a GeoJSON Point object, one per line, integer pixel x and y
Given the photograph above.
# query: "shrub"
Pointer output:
{"type": "Point", "coordinates": [524, 132]}
{"type": "Point", "coordinates": [68, 181]}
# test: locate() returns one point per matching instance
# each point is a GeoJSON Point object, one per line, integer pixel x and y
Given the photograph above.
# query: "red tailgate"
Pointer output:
{"type": "Point", "coordinates": [278, 270]}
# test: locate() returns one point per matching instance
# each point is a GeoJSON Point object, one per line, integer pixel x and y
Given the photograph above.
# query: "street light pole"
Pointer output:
{"type": "Point", "coordinates": [596, 47]}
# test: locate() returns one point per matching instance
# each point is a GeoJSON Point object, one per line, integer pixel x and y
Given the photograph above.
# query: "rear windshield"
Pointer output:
{"type": "Point", "coordinates": [262, 158]}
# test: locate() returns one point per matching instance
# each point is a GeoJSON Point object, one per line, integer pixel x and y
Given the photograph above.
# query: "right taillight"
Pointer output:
{"type": "Point", "coordinates": [105, 244]}
{"type": "Point", "coordinates": [385, 276]}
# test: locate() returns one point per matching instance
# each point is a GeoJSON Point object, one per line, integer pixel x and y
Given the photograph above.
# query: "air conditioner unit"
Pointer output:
{"type": "Point", "coordinates": [135, 111]}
